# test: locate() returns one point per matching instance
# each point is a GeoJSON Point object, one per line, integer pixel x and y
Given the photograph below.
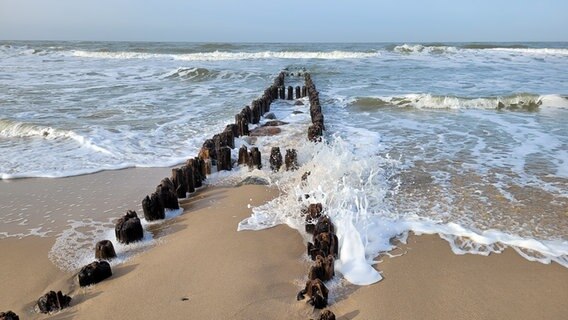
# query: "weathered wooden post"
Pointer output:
{"type": "Point", "coordinates": [94, 272]}
{"type": "Point", "coordinates": [275, 159]}
{"type": "Point", "coordinates": [224, 161]}
{"type": "Point", "coordinates": [291, 159]}
{"type": "Point", "coordinates": [128, 228]}
{"type": "Point", "coordinates": [243, 155]}
{"type": "Point", "coordinates": [208, 150]}
{"type": "Point", "coordinates": [255, 108]}
{"type": "Point", "coordinates": [282, 92]}
{"type": "Point", "coordinates": [153, 207]}
{"type": "Point", "coordinates": [104, 250]}
{"type": "Point", "coordinates": [9, 315]}
{"type": "Point", "coordinates": [233, 128]}
{"type": "Point", "coordinates": [179, 182]}
{"type": "Point", "coordinates": [188, 176]}
{"type": "Point", "coordinates": [298, 92]}
{"type": "Point", "coordinates": [255, 158]}
{"type": "Point", "coordinates": [49, 302]}
{"type": "Point", "coordinates": [290, 93]}
{"type": "Point", "coordinates": [168, 198]}
{"type": "Point", "coordinates": [196, 169]}
{"type": "Point", "coordinates": [229, 137]}
{"type": "Point", "coordinates": [304, 91]}
{"type": "Point", "coordinates": [314, 133]}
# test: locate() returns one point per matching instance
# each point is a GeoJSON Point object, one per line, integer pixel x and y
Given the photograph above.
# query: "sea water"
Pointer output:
{"type": "Point", "coordinates": [468, 140]}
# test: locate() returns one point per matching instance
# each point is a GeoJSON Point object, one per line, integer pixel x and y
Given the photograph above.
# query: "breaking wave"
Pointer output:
{"type": "Point", "coordinates": [223, 55]}
{"type": "Point", "coordinates": [192, 74]}
{"type": "Point", "coordinates": [445, 49]}
{"type": "Point", "coordinates": [12, 129]}
{"type": "Point", "coordinates": [526, 102]}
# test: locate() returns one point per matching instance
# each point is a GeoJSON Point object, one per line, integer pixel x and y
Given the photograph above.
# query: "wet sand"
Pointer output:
{"type": "Point", "coordinates": [203, 268]}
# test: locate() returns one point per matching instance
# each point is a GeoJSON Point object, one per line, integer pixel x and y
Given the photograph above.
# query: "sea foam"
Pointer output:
{"type": "Point", "coordinates": [355, 188]}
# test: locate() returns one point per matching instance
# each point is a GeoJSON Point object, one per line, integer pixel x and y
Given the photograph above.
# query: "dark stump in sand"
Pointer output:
{"type": "Point", "coordinates": [327, 315]}
{"type": "Point", "coordinates": [291, 159]}
{"type": "Point", "coordinates": [9, 315]}
{"type": "Point", "coordinates": [322, 268]}
{"type": "Point", "coordinates": [317, 293]}
{"type": "Point", "coordinates": [243, 155]}
{"type": "Point", "coordinates": [325, 244]}
{"type": "Point", "coordinates": [52, 301]}
{"type": "Point", "coordinates": [298, 92]}
{"type": "Point", "coordinates": [168, 198]}
{"type": "Point", "coordinates": [275, 159]}
{"type": "Point", "coordinates": [104, 250]}
{"type": "Point", "coordinates": [255, 159]}
{"type": "Point", "coordinates": [153, 207]}
{"type": "Point", "coordinates": [224, 159]}
{"type": "Point", "coordinates": [128, 228]}
{"type": "Point", "coordinates": [94, 272]}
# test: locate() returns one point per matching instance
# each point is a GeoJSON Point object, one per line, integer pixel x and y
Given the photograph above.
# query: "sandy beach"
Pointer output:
{"type": "Point", "coordinates": [202, 268]}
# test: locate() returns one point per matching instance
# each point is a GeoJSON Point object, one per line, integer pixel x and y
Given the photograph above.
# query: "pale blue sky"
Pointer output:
{"type": "Point", "coordinates": [285, 20]}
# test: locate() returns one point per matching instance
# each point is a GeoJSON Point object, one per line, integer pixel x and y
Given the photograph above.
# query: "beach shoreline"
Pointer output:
{"type": "Point", "coordinates": [199, 256]}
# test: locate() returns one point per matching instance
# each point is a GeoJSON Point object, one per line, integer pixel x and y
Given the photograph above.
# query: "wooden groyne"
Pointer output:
{"type": "Point", "coordinates": [215, 155]}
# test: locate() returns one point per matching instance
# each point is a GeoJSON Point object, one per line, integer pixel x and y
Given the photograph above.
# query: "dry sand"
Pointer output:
{"type": "Point", "coordinates": [203, 268]}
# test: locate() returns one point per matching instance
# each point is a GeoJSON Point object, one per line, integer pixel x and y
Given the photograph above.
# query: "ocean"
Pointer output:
{"type": "Point", "coordinates": [468, 140]}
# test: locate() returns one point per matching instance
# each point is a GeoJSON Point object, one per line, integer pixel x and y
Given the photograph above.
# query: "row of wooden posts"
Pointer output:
{"type": "Point", "coordinates": [324, 248]}
{"type": "Point", "coordinates": [187, 178]}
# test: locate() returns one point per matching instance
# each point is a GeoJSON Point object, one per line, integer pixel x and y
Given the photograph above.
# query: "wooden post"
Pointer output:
{"type": "Point", "coordinates": [188, 173]}
{"type": "Point", "coordinates": [197, 179]}
{"type": "Point", "coordinates": [179, 182]}
{"type": "Point", "coordinates": [94, 273]}
{"type": "Point", "coordinates": [255, 158]}
{"type": "Point", "coordinates": [291, 159]}
{"type": "Point", "coordinates": [224, 161]}
{"type": "Point", "coordinates": [233, 128]}
{"type": "Point", "coordinates": [128, 228]}
{"type": "Point", "coordinates": [104, 250]}
{"type": "Point", "coordinates": [282, 92]}
{"type": "Point", "coordinates": [153, 207]}
{"type": "Point", "coordinates": [275, 159]}
{"type": "Point", "coordinates": [290, 93]}
{"type": "Point", "coordinates": [314, 133]}
{"type": "Point", "coordinates": [243, 155]}
{"type": "Point", "coordinates": [168, 198]}
{"type": "Point", "coordinates": [304, 91]}
{"type": "Point", "coordinates": [48, 303]}
{"type": "Point", "coordinates": [255, 108]}
{"type": "Point", "coordinates": [298, 93]}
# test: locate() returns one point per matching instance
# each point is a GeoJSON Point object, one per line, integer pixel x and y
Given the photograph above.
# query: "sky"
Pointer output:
{"type": "Point", "coordinates": [285, 20]}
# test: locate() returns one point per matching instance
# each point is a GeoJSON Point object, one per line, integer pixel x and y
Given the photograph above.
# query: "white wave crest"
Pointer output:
{"type": "Point", "coordinates": [533, 51]}
{"type": "Point", "coordinates": [11, 129]}
{"type": "Point", "coordinates": [221, 55]}
{"type": "Point", "coordinates": [418, 48]}
{"type": "Point", "coordinates": [428, 101]}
